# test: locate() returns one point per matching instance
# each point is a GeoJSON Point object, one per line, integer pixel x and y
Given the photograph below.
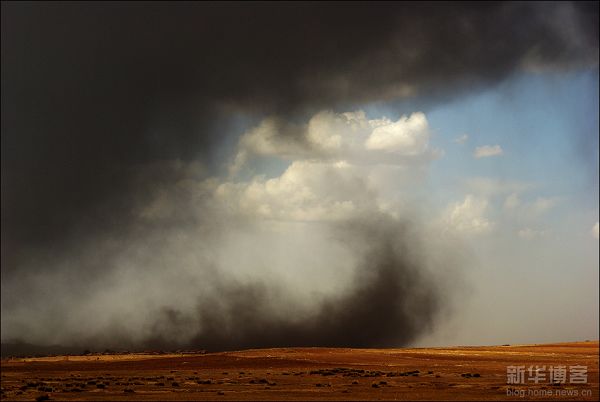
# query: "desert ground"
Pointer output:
{"type": "Point", "coordinates": [457, 373]}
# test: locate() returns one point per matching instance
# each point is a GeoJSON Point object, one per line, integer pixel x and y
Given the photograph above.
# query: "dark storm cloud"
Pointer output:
{"type": "Point", "coordinates": [92, 93]}
{"type": "Point", "coordinates": [90, 89]}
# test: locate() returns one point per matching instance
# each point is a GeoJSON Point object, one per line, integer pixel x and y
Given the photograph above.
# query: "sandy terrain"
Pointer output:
{"type": "Point", "coordinates": [473, 373]}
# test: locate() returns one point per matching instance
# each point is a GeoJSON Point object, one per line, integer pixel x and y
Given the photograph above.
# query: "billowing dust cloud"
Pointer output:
{"type": "Point", "coordinates": [191, 274]}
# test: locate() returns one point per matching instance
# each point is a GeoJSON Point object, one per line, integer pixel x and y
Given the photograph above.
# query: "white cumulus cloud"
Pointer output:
{"type": "Point", "coordinates": [350, 136]}
{"type": "Point", "coordinates": [407, 136]}
{"type": "Point", "coordinates": [340, 165]}
{"type": "Point", "coordinates": [306, 191]}
{"type": "Point", "coordinates": [469, 216]}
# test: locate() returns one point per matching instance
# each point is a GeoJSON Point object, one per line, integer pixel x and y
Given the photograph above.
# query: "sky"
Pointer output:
{"type": "Point", "coordinates": [190, 175]}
